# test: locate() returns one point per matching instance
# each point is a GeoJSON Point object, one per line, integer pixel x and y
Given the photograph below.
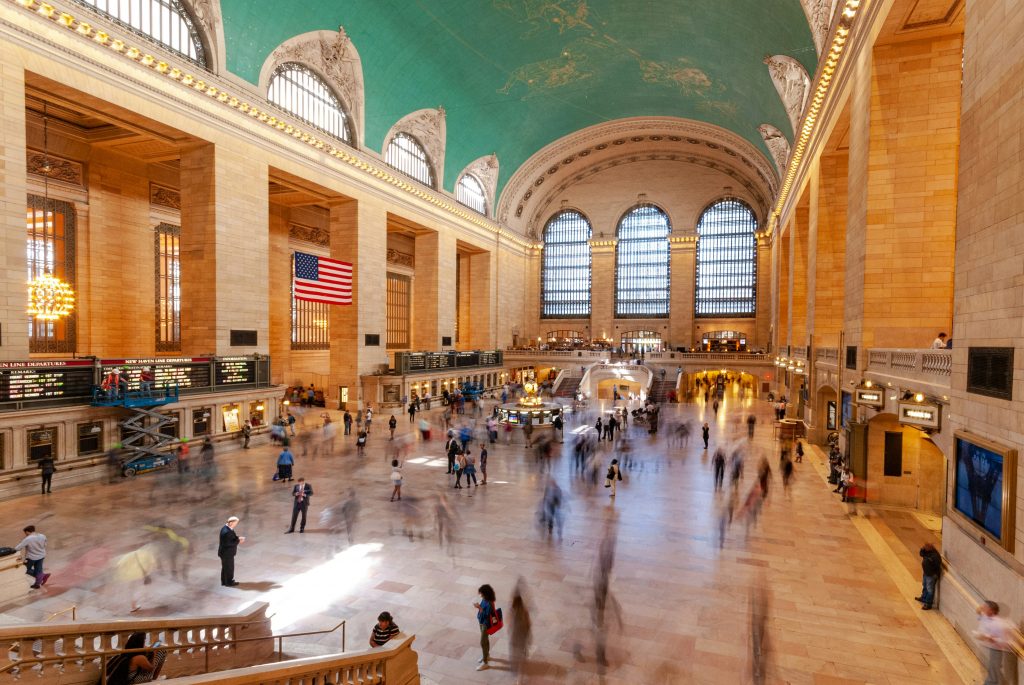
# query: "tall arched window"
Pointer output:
{"type": "Point", "coordinates": [470, 192]}
{"type": "Point", "coordinates": [407, 155]}
{"type": "Point", "coordinates": [565, 273]}
{"type": "Point", "coordinates": [726, 260]}
{"type": "Point", "coordinates": [641, 264]}
{"type": "Point", "coordinates": [165, 21]}
{"type": "Point", "coordinates": [295, 88]}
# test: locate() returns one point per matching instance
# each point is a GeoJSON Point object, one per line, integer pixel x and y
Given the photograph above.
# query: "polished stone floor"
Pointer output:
{"type": "Point", "coordinates": [834, 615]}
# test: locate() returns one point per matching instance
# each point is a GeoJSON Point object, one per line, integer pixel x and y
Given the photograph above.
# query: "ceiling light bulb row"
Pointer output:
{"type": "Point", "coordinates": [139, 56]}
{"type": "Point", "coordinates": [842, 33]}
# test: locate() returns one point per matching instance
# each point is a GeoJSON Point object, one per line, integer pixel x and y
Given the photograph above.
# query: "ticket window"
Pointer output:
{"type": "Point", "coordinates": [90, 438]}
{"type": "Point", "coordinates": [42, 443]}
{"type": "Point", "coordinates": [231, 415]}
{"type": "Point", "coordinates": [257, 413]}
{"type": "Point", "coordinates": [201, 421]}
{"type": "Point", "coordinates": [171, 429]}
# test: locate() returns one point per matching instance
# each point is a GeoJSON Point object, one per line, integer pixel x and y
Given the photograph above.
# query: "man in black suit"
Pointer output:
{"type": "Point", "coordinates": [229, 541]}
{"type": "Point", "coordinates": [300, 504]}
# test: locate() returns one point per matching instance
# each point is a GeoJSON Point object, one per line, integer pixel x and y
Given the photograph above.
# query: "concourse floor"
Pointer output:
{"type": "Point", "coordinates": [833, 614]}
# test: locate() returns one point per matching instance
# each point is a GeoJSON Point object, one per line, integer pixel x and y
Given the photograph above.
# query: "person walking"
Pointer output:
{"type": "Point", "coordinates": [246, 434]}
{"type": "Point", "coordinates": [994, 633]}
{"type": "Point", "coordinates": [483, 463]}
{"type": "Point", "coordinates": [718, 461]}
{"type": "Point", "coordinates": [614, 474]}
{"type": "Point", "coordinates": [369, 419]}
{"type": "Point", "coordinates": [285, 461]}
{"type": "Point", "coordinates": [559, 426]}
{"type": "Point", "coordinates": [412, 412]}
{"type": "Point", "coordinates": [392, 425]}
{"type": "Point", "coordinates": [34, 546]}
{"type": "Point", "coordinates": [751, 423]}
{"type": "Point", "coordinates": [705, 432]}
{"type": "Point", "coordinates": [46, 469]}
{"type": "Point", "coordinates": [485, 614]}
{"type": "Point", "coordinates": [291, 423]}
{"type": "Point", "coordinates": [521, 633]}
{"type": "Point", "coordinates": [396, 480]}
{"type": "Point", "coordinates": [799, 451]}
{"type": "Point", "coordinates": [301, 494]}
{"type": "Point", "coordinates": [931, 568]}
{"type": "Point", "coordinates": [229, 542]}
{"type": "Point", "coordinates": [347, 420]}
{"type": "Point", "coordinates": [451, 449]}
{"type": "Point", "coordinates": [460, 468]}
{"type": "Point", "coordinates": [384, 630]}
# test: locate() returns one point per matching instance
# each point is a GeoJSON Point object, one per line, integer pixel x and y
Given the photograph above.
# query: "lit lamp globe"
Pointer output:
{"type": "Point", "coordinates": [49, 298]}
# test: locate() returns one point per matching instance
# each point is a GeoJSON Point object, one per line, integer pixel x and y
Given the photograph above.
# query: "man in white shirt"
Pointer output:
{"type": "Point", "coordinates": [34, 545]}
{"type": "Point", "coordinates": [940, 342]}
{"type": "Point", "coordinates": [996, 634]}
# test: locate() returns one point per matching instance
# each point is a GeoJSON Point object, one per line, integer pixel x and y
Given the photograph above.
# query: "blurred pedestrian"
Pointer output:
{"type": "Point", "coordinates": [396, 480]}
{"type": "Point", "coordinates": [718, 461]}
{"type": "Point", "coordinates": [483, 463]}
{"type": "Point", "coordinates": [520, 632]}
{"type": "Point", "coordinates": [705, 432]}
{"type": "Point", "coordinates": [996, 634]}
{"type": "Point", "coordinates": [34, 546]}
{"type": "Point", "coordinates": [285, 461]}
{"type": "Point", "coordinates": [392, 424]}
{"type": "Point", "coordinates": [613, 476]}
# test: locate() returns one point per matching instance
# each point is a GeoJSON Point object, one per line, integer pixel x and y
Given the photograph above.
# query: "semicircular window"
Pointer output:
{"type": "Point", "coordinates": [565, 272]}
{"type": "Point", "coordinates": [165, 21]}
{"type": "Point", "coordinates": [641, 264]}
{"type": "Point", "coordinates": [407, 155]}
{"type": "Point", "coordinates": [295, 88]}
{"type": "Point", "coordinates": [726, 261]}
{"type": "Point", "coordinates": [470, 192]}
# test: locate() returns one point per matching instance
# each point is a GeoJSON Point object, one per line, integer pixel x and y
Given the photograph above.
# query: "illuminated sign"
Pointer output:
{"type": "Point", "coordinates": [870, 397]}
{"type": "Point", "coordinates": [920, 415]}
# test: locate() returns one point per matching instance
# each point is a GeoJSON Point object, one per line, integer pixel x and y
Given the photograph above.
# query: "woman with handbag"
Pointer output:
{"type": "Point", "coordinates": [489, 619]}
{"type": "Point", "coordinates": [613, 475]}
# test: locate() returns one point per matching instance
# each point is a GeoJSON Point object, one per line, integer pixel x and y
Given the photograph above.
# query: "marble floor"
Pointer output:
{"type": "Point", "coordinates": [834, 615]}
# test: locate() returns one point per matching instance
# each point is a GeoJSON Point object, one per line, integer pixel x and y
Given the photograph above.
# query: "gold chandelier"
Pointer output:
{"type": "Point", "coordinates": [49, 298]}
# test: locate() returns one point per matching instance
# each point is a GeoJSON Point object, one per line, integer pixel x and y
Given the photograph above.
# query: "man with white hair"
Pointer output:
{"type": "Point", "coordinates": [229, 541]}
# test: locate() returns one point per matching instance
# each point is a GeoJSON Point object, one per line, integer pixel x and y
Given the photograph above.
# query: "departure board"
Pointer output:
{"type": "Point", "coordinates": [409, 362]}
{"type": "Point", "coordinates": [439, 360]}
{"type": "Point", "coordinates": [45, 380]}
{"type": "Point", "coordinates": [184, 372]}
{"type": "Point", "coordinates": [234, 371]}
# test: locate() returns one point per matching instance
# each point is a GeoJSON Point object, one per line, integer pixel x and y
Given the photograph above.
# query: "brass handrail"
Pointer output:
{"type": "Point", "coordinates": [73, 609]}
{"type": "Point", "coordinates": [104, 655]}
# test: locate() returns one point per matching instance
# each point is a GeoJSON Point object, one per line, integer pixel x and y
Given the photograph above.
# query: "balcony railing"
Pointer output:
{"type": "Point", "coordinates": [828, 356]}
{"type": "Point", "coordinates": [931, 366]}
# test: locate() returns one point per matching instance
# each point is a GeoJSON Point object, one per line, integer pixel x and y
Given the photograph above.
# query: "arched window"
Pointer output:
{"type": "Point", "coordinates": [641, 264]}
{"type": "Point", "coordinates": [165, 21]}
{"type": "Point", "coordinates": [565, 274]}
{"type": "Point", "coordinates": [470, 192]}
{"type": "Point", "coordinates": [726, 260]}
{"type": "Point", "coordinates": [407, 155]}
{"type": "Point", "coordinates": [298, 90]}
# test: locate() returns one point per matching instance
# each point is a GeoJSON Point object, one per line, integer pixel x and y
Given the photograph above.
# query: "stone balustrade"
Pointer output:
{"type": "Point", "coordinates": [393, 664]}
{"type": "Point", "coordinates": [827, 355]}
{"type": "Point", "coordinates": [799, 353]}
{"type": "Point", "coordinates": [592, 355]}
{"type": "Point", "coordinates": [929, 366]}
{"type": "Point", "coordinates": [72, 653]}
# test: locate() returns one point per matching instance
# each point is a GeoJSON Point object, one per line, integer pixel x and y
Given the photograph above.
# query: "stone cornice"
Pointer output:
{"type": "Point", "coordinates": [225, 106]}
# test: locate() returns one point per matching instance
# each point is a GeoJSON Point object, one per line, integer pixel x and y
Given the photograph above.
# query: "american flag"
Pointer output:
{"type": "Point", "coordinates": [319, 279]}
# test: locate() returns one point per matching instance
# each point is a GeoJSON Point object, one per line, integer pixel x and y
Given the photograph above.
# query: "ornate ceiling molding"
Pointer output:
{"type": "Point", "coordinates": [485, 169]}
{"type": "Point", "coordinates": [528, 182]}
{"type": "Point", "coordinates": [792, 83]}
{"type": "Point", "coordinates": [545, 209]}
{"type": "Point", "coordinates": [428, 127]}
{"type": "Point", "coordinates": [777, 143]}
{"type": "Point", "coordinates": [335, 59]}
{"type": "Point", "coordinates": [819, 17]}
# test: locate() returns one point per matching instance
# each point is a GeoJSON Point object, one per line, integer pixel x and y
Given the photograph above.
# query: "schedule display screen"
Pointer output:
{"type": "Point", "coordinates": [234, 371]}
{"type": "Point", "coordinates": [185, 372]}
{"type": "Point", "coordinates": [21, 381]}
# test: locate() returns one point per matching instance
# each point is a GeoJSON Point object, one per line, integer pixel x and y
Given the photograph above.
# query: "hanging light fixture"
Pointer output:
{"type": "Point", "coordinates": [49, 298]}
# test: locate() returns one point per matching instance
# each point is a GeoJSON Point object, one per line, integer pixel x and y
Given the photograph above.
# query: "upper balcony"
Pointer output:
{"type": "Point", "coordinates": [930, 366]}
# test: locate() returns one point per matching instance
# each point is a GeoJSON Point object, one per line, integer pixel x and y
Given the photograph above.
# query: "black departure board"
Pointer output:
{"type": "Point", "coordinates": [34, 380]}
{"type": "Point", "coordinates": [410, 362]}
{"type": "Point", "coordinates": [234, 371]}
{"type": "Point", "coordinates": [439, 360]}
{"type": "Point", "coordinates": [184, 372]}
{"type": "Point", "coordinates": [413, 361]}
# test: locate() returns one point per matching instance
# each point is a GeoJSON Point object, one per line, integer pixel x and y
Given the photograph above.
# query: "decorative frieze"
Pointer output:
{"type": "Point", "coordinates": [401, 258]}
{"type": "Point", "coordinates": [55, 168]}
{"type": "Point", "coordinates": [162, 196]}
{"type": "Point", "coordinates": [309, 234]}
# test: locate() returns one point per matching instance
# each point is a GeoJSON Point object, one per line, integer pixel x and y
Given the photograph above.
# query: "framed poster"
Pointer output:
{"type": "Point", "coordinates": [984, 492]}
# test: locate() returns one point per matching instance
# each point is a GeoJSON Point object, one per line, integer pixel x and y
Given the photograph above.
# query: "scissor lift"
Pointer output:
{"type": "Point", "coordinates": [143, 438]}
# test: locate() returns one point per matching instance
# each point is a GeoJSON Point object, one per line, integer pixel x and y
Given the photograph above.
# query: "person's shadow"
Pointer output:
{"type": "Point", "coordinates": [258, 586]}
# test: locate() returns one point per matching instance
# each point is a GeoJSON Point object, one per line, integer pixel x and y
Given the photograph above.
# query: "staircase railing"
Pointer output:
{"type": "Point", "coordinates": [393, 664]}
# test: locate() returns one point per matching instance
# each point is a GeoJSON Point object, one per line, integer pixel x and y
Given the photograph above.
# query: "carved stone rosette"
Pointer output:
{"type": "Point", "coordinates": [428, 127]}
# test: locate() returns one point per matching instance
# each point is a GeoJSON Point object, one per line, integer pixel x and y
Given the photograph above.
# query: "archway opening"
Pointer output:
{"type": "Point", "coordinates": [905, 468]}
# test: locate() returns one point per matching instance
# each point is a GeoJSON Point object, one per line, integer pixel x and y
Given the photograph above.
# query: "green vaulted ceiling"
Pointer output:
{"type": "Point", "coordinates": [515, 75]}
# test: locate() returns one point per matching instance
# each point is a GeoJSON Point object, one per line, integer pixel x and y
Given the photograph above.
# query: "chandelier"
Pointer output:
{"type": "Point", "coordinates": [49, 298]}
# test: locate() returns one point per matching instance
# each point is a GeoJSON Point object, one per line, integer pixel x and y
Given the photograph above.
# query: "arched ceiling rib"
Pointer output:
{"type": "Point", "coordinates": [516, 75]}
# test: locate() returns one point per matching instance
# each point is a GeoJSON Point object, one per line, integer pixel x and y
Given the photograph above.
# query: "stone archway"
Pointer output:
{"type": "Point", "coordinates": [912, 475]}
{"type": "Point", "coordinates": [826, 414]}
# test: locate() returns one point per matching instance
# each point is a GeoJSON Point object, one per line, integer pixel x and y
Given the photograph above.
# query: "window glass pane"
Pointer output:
{"type": "Point", "coordinates": [50, 249]}
{"type": "Point", "coordinates": [168, 288]}
{"type": "Point", "coordinates": [726, 261]}
{"type": "Point", "coordinates": [408, 156]}
{"type": "Point", "coordinates": [310, 322]}
{"type": "Point", "coordinates": [565, 273]}
{"type": "Point", "coordinates": [399, 306]}
{"type": "Point", "coordinates": [470, 192]}
{"type": "Point", "coordinates": [296, 89]}
{"type": "Point", "coordinates": [641, 264]}
{"type": "Point", "coordinates": [164, 21]}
